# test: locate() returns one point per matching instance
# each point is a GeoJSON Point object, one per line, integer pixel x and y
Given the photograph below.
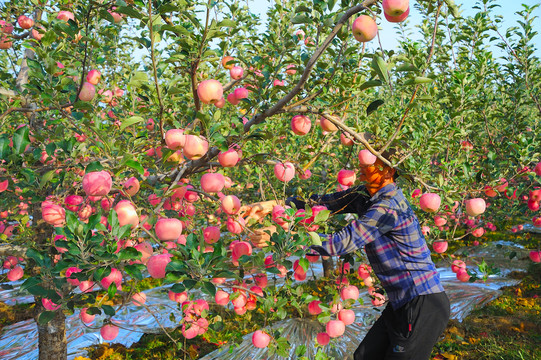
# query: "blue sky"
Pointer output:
{"type": "Point", "coordinates": [508, 9]}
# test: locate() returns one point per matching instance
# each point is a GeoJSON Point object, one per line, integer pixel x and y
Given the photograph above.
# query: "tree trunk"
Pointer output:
{"type": "Point", "coordinates": [327, 267]}
{"type": "Point", "coordinates": [52, 336]}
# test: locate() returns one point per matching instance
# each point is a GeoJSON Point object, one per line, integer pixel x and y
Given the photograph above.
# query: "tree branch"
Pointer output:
{"type": "Point", "coordinates": [259, 118]}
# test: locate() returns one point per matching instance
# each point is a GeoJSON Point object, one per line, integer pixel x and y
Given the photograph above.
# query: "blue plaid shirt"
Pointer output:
{"type": "Point", "coordinates": [390, 233]}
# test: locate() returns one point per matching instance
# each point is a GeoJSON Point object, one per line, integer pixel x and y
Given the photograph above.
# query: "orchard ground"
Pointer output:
{"type": "Point", "coordinates": [508, 327]}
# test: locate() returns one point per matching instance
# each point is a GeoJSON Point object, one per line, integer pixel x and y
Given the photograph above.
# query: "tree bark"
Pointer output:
{"type": "Point", "coordinates": [53, 344]}
{"type": "Point", "coordinates": [328, 267]}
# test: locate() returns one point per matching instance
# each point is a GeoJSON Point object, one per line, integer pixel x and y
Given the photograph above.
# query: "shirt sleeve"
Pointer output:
{"type": "Point", "coordinates": [351, 201]}
{"type": "Point", "coordinates": [375, 223]}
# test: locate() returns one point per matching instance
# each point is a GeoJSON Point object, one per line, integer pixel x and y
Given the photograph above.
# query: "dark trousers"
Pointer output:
{"type": "Point", "coordinates": [409, 332]}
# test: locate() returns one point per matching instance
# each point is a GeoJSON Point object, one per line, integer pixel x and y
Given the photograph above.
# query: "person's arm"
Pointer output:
{"type": "Point", "coordinates": [376, 222]}
{"type": "Point", "coordinates": [354, 200]}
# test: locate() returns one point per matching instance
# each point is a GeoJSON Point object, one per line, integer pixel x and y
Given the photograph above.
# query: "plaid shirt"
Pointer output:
{"type": "Point", "coordinates": [390, 233]}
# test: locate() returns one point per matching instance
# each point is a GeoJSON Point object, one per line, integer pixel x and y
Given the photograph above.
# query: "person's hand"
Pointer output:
{"type": "Point", "coordinates": [260, 238]}
{"type": "Point", "coordinates": [257, 210]}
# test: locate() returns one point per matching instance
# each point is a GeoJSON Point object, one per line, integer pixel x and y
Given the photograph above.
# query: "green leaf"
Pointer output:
{"type": "Point", "coordinates": [45, 317]}
{"type": "Point", "coordinates": [33, 286]}
{"type": "Point", "coordinates": [134, 270]}
{"type": "Point", "coordinates": [48, 38]}
{"type": "Point", "coordinates": [406, 67]}
{"type": "Point", "coordinates": [46, 178]}
{"type": "Point", "coordinates": [111, 291]}
{"type": "Point", "coordinates": [21, 139]}
{"type": "Point", "coordinates": [130, 11]}
{"type": "Point", "coordinates": [281, 313]}
{"type": "Point", "coordinates": [374, 105]}
{"type": "Point", "coordinates": [304, 263]}
{"type": "Point", "coordinates": [422, 80]}
{"type": "Point", "coordinates": [93, 311]}
{"type": "Point", "coordinates": [4, 147]}
{"type": "Point", "coordinates": [37, 256]}
{"type": "Point", "coordinates": [209, 288]}
{"type": "Point", "coordinates": [135, 165]}
{"type": "Point", "coordinates": [108, 310]}
{"type": "Point", "coordinates": [178, 288]}
{"type": "Point", "coordinates": [138, 79]}
{"type": "Point", "coordinates": [83, 105]}
{"type": "Point", "coordinates": [130, 121]}
{"type": "Point", "coordinates": [94, 166]}
{"type": "Point", "coordinates": [302, 8]}
{"type": "Point", "coordinates": [452, 8]}
{"type": "Point", "coordinates": [129, 253]}
{"type": "Point", "coordinates": [322, 216]}
{"type": "Point", "coordinates": [316, 239]}
{"type": "Point", "coordinates": [301, 19]}
{"type": "Point", "coordinates": [369, 84]}
{"type": "Point", "coordinates": [380, 67]}
{"type": "Point", "coordinates": [227, 23]}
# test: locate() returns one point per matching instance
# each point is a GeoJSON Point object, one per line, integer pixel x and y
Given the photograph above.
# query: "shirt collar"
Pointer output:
{"type": "Point", "coordinates": [388, 190]}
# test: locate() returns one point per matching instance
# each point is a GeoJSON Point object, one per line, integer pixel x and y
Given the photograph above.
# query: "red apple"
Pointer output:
{"type": "Point", "coordinates": [221, 297]}
{"type": "Point", "coordinates": [260, 339]}
{"type": "Point", "coordinates": [168, 229]}
{"type": "Point", "coordinates": [93, 77]}
{"type": "Point", "coordinates": [349, 292]}
{"type": "Point", "coordinates": [395, 7]}
{"type": "Point", "coordinates": [326, 125]}
{"type": "Point", "coordinates": [25, 22]}
{"type": "Point", "coordinates": [535, 256]}
{"type": "Point", "coordinates": [85, 317]}
{"type": "Point", "coordinates": [230, 204]}
{"type": "Point", "coordinates": [475, 206]}
{"type": "Point", "coordinates": [210, 91]}
{"type": "Point", "coordinates": [228, 158]}
{"type": "Point", "coordinates": [430, 202]}
{"type": "Point", "coordinates": [109, 332]}
{"type": "Point", "coordinates": [347, 316]}
{"type": "Point", "coordinates": [366, 157]}
{"type": "Point", "coordinates": [364, 28]}
{"type": "Point", "coordinates": [397, 18]}
{"type": "Point", "coordinates": [156, 265]}
{"type": "Point", "coordinates": [227, 62]}
{"type": "Point", "coordinates": [440, 246]}
{"type": "Point", "coordinates": [195, 147]}
{"type": "Point", "coordinates": [127, 213]}
{"type": "Point", "coordinates": [284, 171]}
{"type": "Point", "coordinates": [212, 182]}
{"type": "Point", "coordinates": [88, 91]}
{"type": "Point", "coordinates": [236, 72]}
{"type": "Point", "coordinates": [335, 328]}
{"type": "Point", "coordinates": [346, 177]}
{"type": "Point", "coordinates": [300, 124]}
{"type": "Point", "coordinates": [323, 338]}
{"type": "Point", "coordinates": [65, 15]}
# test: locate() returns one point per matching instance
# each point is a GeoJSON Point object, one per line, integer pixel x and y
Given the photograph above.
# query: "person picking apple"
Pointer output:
{"type": "Point", "coordinates": [388, 230]}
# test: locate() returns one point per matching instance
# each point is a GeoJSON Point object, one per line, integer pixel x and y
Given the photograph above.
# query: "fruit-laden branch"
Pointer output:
{"type": "Point", "coordinates": [31, 110]}
{"type": "Point", "coordinates": [414, 95]}
{"type": "Point", "coordinates": [259, 118]}
{"type": "Point", "coordinates": [360, 137]}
